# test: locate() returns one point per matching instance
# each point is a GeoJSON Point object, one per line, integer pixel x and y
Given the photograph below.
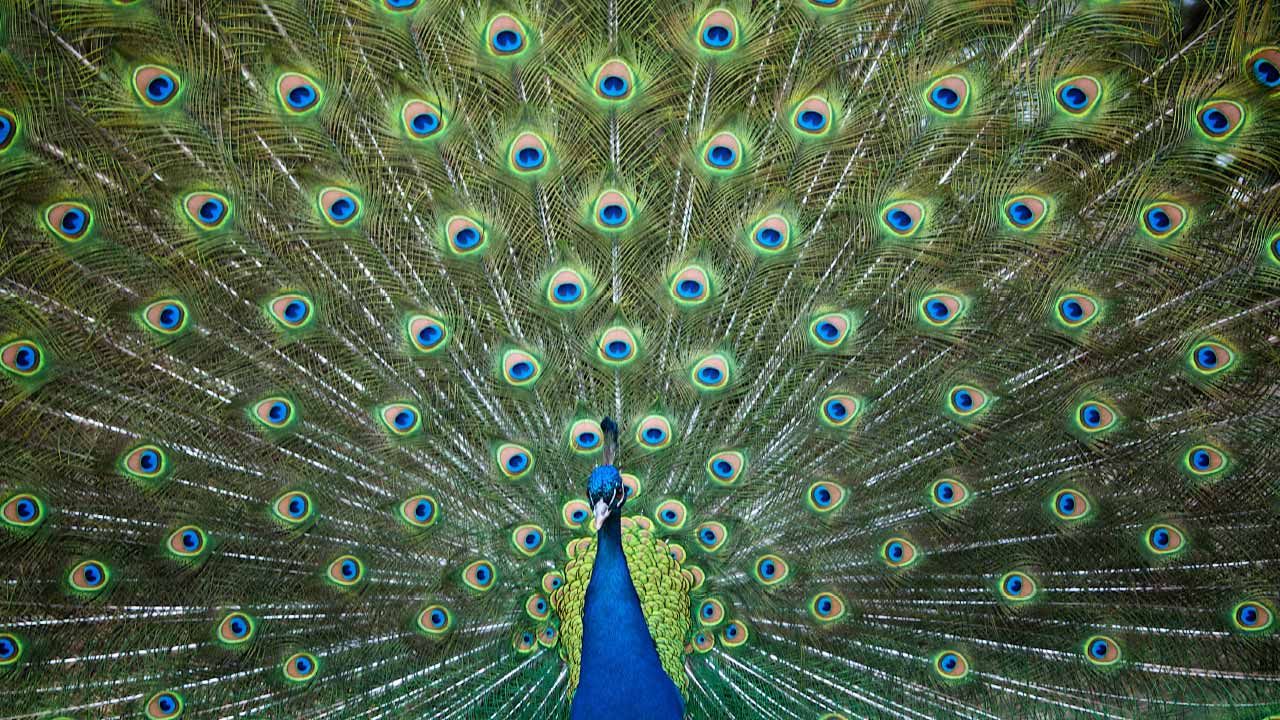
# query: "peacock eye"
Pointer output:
{"type": "Point", "coordinates": [300, 667]}
{"type": "Point", "coordinates": [718, 31]}
{"type": "Point", "coordinates": [479, 575]}
{"type": "Point", "coordinates": [236, 628]}
{"type": "Point", "coordinates": [293, 508]}
{"type": "Point", "coordinates": [345, 570]}
{"type": "Point", "coordinates": [298, 93]}
{"type": "Point", "coordinates": [528, 539]}
{"type": "Point", "coordinates": [671, 514]}
{"type": "Point", "coordinates": [435, 620]}
{"type": "Point", "coordinates": [771, 570]}
{"type": "Point", "coordinates": [419, 511]}
{"type": "Point", "coordinates": [164, 705]}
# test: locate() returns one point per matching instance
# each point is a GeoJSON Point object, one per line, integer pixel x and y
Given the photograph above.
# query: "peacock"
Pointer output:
{"type": "Point", "coordinates": [662, 359]}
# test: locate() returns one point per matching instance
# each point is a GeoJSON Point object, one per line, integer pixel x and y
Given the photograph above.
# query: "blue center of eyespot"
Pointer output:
{"type": "Point", "coordinates": [1248, 615]}
{"type": "Point", "coordinates": [1266, 72]}
{"type": "Point", "coordinates": [405, 419]}
{"type": "Point", "coordinates": [1160, 538]}
{"type": "Point", "coordinates": [26, 357]}
{"type": "Point", "coordinates": [828, 331]}
{"type": "Point", "coordinates": [529, 157]}
{"type": "Point", "coordinates": [689, 288]}
{"type": "Point", "coordinates": [278, 412]}
{"type": "Point", "coordinates": [900, 219]}
{"type": "Point", "coordinates": [945, 98]}
{"type": "Point", "coordinates": [731, 632]}
{"type": "Point", "coordinates": [6, 128]}
{"type": "Point", "coordinates": [401, 4]}
{"type": "Point", "coordinates": [26, 509]}
{"type": "Point", "coordinates": [769, 237]}
{"type": "Point", "coordinates": [430, 335]}
{"type": "Point", "coordinates": [301, 96]}
{"type": "Point", "coordinates": [710, 375]}
{"type": "Point", "coordinates": [836, 410]}
{"type": "Point", "coordinates": [297, 507]}
{"type": "Point", "coordinates": [654, 435]}
{"type": "Point", "coordinates": [238, 627]}
{"type": "Point", "coordinates": [1013, 585]}
{"type": "Point", "coordinates": [568, 292]}
{"type": "Point", "coordinates": [422, 510]}
{"type": "Point", "coordinates": [532, 538]}
{"type": "Point", "coordinates": [708, 610]}
{"type": "Point", "coordinates": [613, 214]}
{"type": "Point", "coordinates": [824, 605]}
{"type": "Point", "coordinates": [822, 496]}
{"type": "Point", "coordinates": [1072, 310]}
{"type": "Point", "coordinates": [517, 462]}
{"type": "Point", "coordinates": [588, 439]}
{"type": "Point", "coordinates": [617, 349]}
{"type": "Point", "coordinates": [73, 221]}
{"type": "Point", "coordinates": [1098, 649]}
{"type": "Point", "coordinates": [1073, 97]}
{"type": "Point", "coordinates": [437, 618]}
{"type": "Point", "coordinates": [295, 311]}
{"type": "Point", "coordinates": [159, 88]}
{"type": "Point", "coordinates": [1020, 213]}
{"type": "Point", "coordinates": [1158, 220]}
{"type": "Point", "coordinates": [811, 120]}
{"type": "Point", "coordinates": [949, 662]}
{"type": "Point", "coordinates": [302, 665]}
{"type": "Point", "coordinates": [1066, 503]}
{"type": "Point", "coordinates": [211, 210]}
{"type": "Point", "coordinates": [507, 41]}
{"type": "Point", "coordinates": [946, 491]}
{"type": "Point", "coordinates": [613, 86]}
{"type": "Point", "coordinates": [482, 575]}
{"type": "Point", "coordinates": [1206, 357]}
{"type": "Point", "coordinates": [895, 551]}
{"type": "Point", "coordinates": [721, 155]}
{"type": "Point", "coordinates": [708, 536]}
{"type": "Point", "coordinates": [669, 515]}
{"type": "Point", "coordinates": [149, 460]}
{"type": "Point", "coordinates": [722, 468]}
{"type": "Point", "coordinates": [349, 569]}
{"type": "Point", "coordinates": [768, 569]}
{"type": "Point", "coordinates": [7, 648]}
{"type": "Point", "coordinates": [166, 703]}
{"type": "Point", "coordinates": [190, 539]}
{"type": "Point", "coordinates": [522, 370]}
{"type": "Point", "coordinates": [342, 209]}
{"type": "Point", "coordinates": [717, 36]}
{"type": "Point", "coordinates": [424, 123]}
{"type": "Point", "coordinates": [170, 316]}
{"type": "Point", "coordinates": [1201, 459]}
{"type": "Point", "coordinates": [579, 515]}
{"type": "Point", "coordinates": [541, 605]}
{"type": "Point", "coordinates": [1215, 121]}
{"type": "Point", "coordinates": [466, 238]}
{"type": "Point", "coordinates": [1092, 415]}
{"type": "Point", "coordinates": [92, 574]}
{"type": "Point", "coordinates": [963, 399]}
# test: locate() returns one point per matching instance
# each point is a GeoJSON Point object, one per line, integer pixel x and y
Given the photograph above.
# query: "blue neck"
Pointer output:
{"type": "Point", "coordinates": [621, 676]}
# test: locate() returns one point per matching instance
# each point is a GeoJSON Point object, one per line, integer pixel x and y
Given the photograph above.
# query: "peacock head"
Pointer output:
{"type": "Point", "coordinates": [605, 492]}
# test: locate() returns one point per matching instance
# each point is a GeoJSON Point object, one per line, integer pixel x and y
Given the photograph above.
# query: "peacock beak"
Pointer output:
{"type": "Point", "coordinates": [602, 511]}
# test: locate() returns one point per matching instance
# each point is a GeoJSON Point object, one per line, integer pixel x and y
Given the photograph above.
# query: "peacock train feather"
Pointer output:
{"type": "Point", "coordinates": [786, 359]}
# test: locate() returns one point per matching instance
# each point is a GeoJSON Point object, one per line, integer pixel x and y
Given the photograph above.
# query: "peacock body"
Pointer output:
{"type": "Point", "coordinates": [940, 337]}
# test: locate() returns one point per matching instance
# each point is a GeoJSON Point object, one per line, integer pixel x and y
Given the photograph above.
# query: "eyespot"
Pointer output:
{"type": "Point", "coordinates": [338, 206]}
{"type": "Point", "coordinates": [1101, 650]}
{"type": "Point", "coordinates": [1025, 212]}
{"type": "Point", "coordinates": [236, 628]}
{"type": "Point", "coordinates": [631, 485]}
{"type": "Point", "coordinates": [941, 309]}
{"type": "Point", "coordinates": [400, 419]}
{"type": "Point", "coordinates": [948, 493]}
{"type": "Point", "coordinates": [612, 210]}
{"type": "Point", "coordinates": [419, 511]}
{"type": "Point", "coordinates": [574, 513]}
{"type": "Point", "coordinates": [155, 86]}
{"type": "Point", "coordinates": [10, 649]}
{"type": "Point", "coordinates": [422, 120]}
{"type": "Point", "coordinates": [695, 576]}
{"type": "Point", "coordinates": [293, 507]}
{"type": "Point", "coordinates": [548, 636]}
{"type": "Point", "coordinates": [826, 607]}
{"type": "Point", "coordinates": [524, 642]}
{"type": "Point", "coordinates": [346, 570]}
{"type": "Point", "coordinates": [276, 413]}
{"type": "Point", "coordinates": [710, 612]}
{"type": "Point", "coordinates": [1163, 219]}
{"type": "Point", "coordinates": [829, 330]}
{"type": "Point", "coordinates": [771, 235]}
{"type": "Point", "coordinates": [734, 634]}
{"type": "Point", "coordinates": [537, 606]}
{"type": "Point", "coordinates": [966, 400]}
{"type": "Point", "coordinates": [951, 665]}
{"type": "Point", "coordinates": [435, 620]}
{"type": "Point", "coordinates": [813, 116]}
{"type": "Point", "coordinates": [710, 373]}
{"type": "Point", "coordinates": [1070, 504]}
{"type": "Point", "coordinates": [690, 286]}
{"type": "Point", "coordinates": [298, 93]}
{"type": "Point", "coordinates": [520, 368]}
{"type": "Point", "coordinates": [948, 95]}
{"type": "Point", "coordinates": [528, 153]}
{"type": "Point", "coordinates": [1264, 67]}
{"type": "Point", "coordinates": [426, 334]}
{"type": "Point", "coordinates": [825, 496]}
{"type": "Point", "coordinates": [902, 219]}
{"type": "Point", "coordinates": [567, 290]}
{"type": "Point", "coordinates": [1095, 417]}
{"type": "Point", "coordinates": [898, 552]}
{"type": "Point", "coordinates": [711, 536]}
{"type": "Point", "coordinates": [771, 570]}
{"type": "Point", "coordinates": [464, 235]}
{"type": "Point", "coordinates": [207, 210]}
{"type": "Point", "coordinates": [528, 539]}
{"type": "Point", "coordinates": [840, 410]}
{"type": "Point", "coordinates": [671, 514]}
{"type": "Point", "coordinates": [514, 460]}
{"type": "Point", "coordinates": [291, 310]}
{"type": "Point", "coordinates": [1017, 587]}
{"type": "Point", "coordinates": [723, 152]}
{"type": "Point", "coordinates": [70, 221]}
{"type": "Point", "coordinates": [726, 467]}
{"type": "Point", "coordinates": [145, 462]}
{"type": "Point", "coordinates": [1220, 119]}
{"type": "Point", "coordinates": [301, 667]}
{"type": "Point", "coordinates": [654, 432]}
{"type": "Point", "coordinates": [552, 581]}
{"type": "Point", "coordinates": [479, 576]}
{"type": "Point", "coordinates": [23, 511]}
{"type": "Point", "coordinates": [1210, 358]}
{"type": "Point", "coordinates": [1205, 460]}
{"type": "Point", "coordinates": [1164, 539]}
{"type": "Point", "coordinates": [614, 81]}
{"type": "Point", "coordinates": [617, 346]}
{"type": "Point", "coordinates": [677, 552]}
{"type": "Point", "coordinates": [188, 541]}
{"type": "Point", "coordinates": [22, 358]}
{"type": "Point", "coordinates": [585, 436]}
{"type": "Point", "coordinates": [164, 705]}
{"type": "Point", "coordinates": [718, 31]}
{"type": "Point", "coordinates": [8, 129]}
{"type": "Point", "coordinates": [506, 36]}
{"type": "Point", "coordinates": [167, 317]}
{"type": "Point", "coordinates": [89, 577]}
{"type": "Point", "coordinates": [1076, 310]}
{"type": "Point", "coordinates": [703, 641]}
{"type": "Point", "coordinates": [1077, 96]}
{"type": "Point", "coordinates": [1252, 617]}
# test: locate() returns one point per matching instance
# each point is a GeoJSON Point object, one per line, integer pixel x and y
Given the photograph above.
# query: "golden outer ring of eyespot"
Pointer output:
{"type": "Point", "coordinates": [693, 275]}
{"type": "Point", "coordinates": [959, 493]}
{"type": "Point", "coordinates": [293, 673]}
{"type": "Point", "coordinates": [957, 84]}
{"type": "Point", "coordinates": [523, 534]}
{"type": "Point", "coordinates": [1177, 541]}
{"type": "Point", "coordinates": [1088, 306]}
{"type": "Point", "coordinates": [408, 511]}
{"type": "Point", "coordinates": [581, 428]}
{"type": "Point", "coordinates": [839, 321]}
{"type": "Point", "coordinates": [76, 578]}
{"type": "Point", "coordinates": [833, 404]}
{"type": "Point", "coordinates": [513, 370]}
{"type": "Point", "coordinates": [54, 214]}
{"type": "Point", "coordinates": [10, 515]}
{"type": "Point", "coordinates": [1025, 592]}
{"type": "Point", "coordinates": [912, 209]}
{"type": "Point", "coordinates": [1107, 417]}
{"type": "Point", "coordinates": [9, 357]}
{"type": "Point", "coordinates": [548, 636]}
{"type": "Point", "coordinates": [329, 196]}
{"type": "Point", "coordinates": [818, 105]}
{"type": "Point", "coordinates": [532, 604]}
{"type": "Point", "coordinates": [780, 569]}
{"type": "Point", "coordinates": [727, 141]}
{"type": "Point", "coordinates": [1176, 213]}
{"type": "Point", "coordinates": [144, 75]}
{"type": "Point", "coordinates": [738, 630]}
{"type": "Point", "coordinates": [290, 81]}
{"type": "Point", "coordinates": [525, 141]}
{"type": "Point", "coordinates": [710, 612]}
{"type": "Point", "coordinates": [835, 496]}
{"type": "Point", "coordinates": [389, 413]}
{"type": "Point", "coordinates": [676, 509]}
{"type": "Point", "coordinates": [657, 424]}
{"type": "Point", "coordinates": [776, 223]}
{"type": "Point", "coordinates": [1110, 657]}
{"type": "Point", "coordinates": [280, 303]}
{"type": "Point", "coordinates": [1231, 110]}
{"type": "Point", "coordinates": [979, 399]}
{"type": "Point", "coordinates": [1080, 508]}
{"type": "Point", "coordinates": [504, 455]}
{"type": "Point", "coordinates": [151, 316]}
{"type": "Point", "coordinates": [153, 710]}
{"type": "Point", "coordinates": [572, 508]}
{"type": "Point", "coordinates": [1265, 617]}
{"type": "Point", "coordinates": [1091, 88]}
{"type": "Point", "coordinates": [1227, 357]}
{"type": "Point", "coordinates": [718, 529]}
{"type": "Point", "coordinates": [18, 648]}
{"type": "Point", "coordinates": [716, 361]}
{"type": "Point", "coordinates": [732, 459]}
{"type": "Point", "coordinates": [718, 18]}
{"type": "Point", "coordinates": [193, 204]}
{"type": "Point", "coordinates": [505, 23]}
{"type": "Point", "coordinates": [1269, 54]}
{"type": "Point", "coordinates": [413, 330]}
{"type": "Point", "coordinates": [412, 109]}
{"type": "Point", "coordinates": [954, 304]}
{"type": "Point", "coordinates": [909, 553]}
{"type": "Point", "coordinates": [632, 485]}
{"type": "Point", "coordinates": [958, 672]}
{"type": "Point", "coordinates": [614, 68]}
{"type": "Point", "coordinates": [567, 277]}
{"type": "Point", "coordinates": [334, 571]}
{"type": "Point", "coordinates": [621, 334]}
{"type": "Point", "coordinates": [549, 579]}
{"type": "Point", "coordinates": [262, 412]}
{"type": "Point", "coordinates": [426, 621]}
{"type": "Point", "coordinates": [612, 198]}
{"type": "Point", "coordinates": [471, 575]}
{"type": "Point", "coordinates": [131, 462]}
{"type": "Point", "coordinates": [175, 545]}
{"type": "Point", "coordinates": [279, 507]}
{"type": "Point", "coordinates": [835, 610]}
{"type": "Point", "coordinates": [703, 641]}
{"type": "Point", "coordinates": [1038, 206]}
{"type": "Point", "coordinates": [459, 223]}
{"type": "Point", "coordinates": [227, 636]}
{"type": "Point", "coordinates": [1217, 460]}
{"type": "Point", "coordinates": [523, 642]}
